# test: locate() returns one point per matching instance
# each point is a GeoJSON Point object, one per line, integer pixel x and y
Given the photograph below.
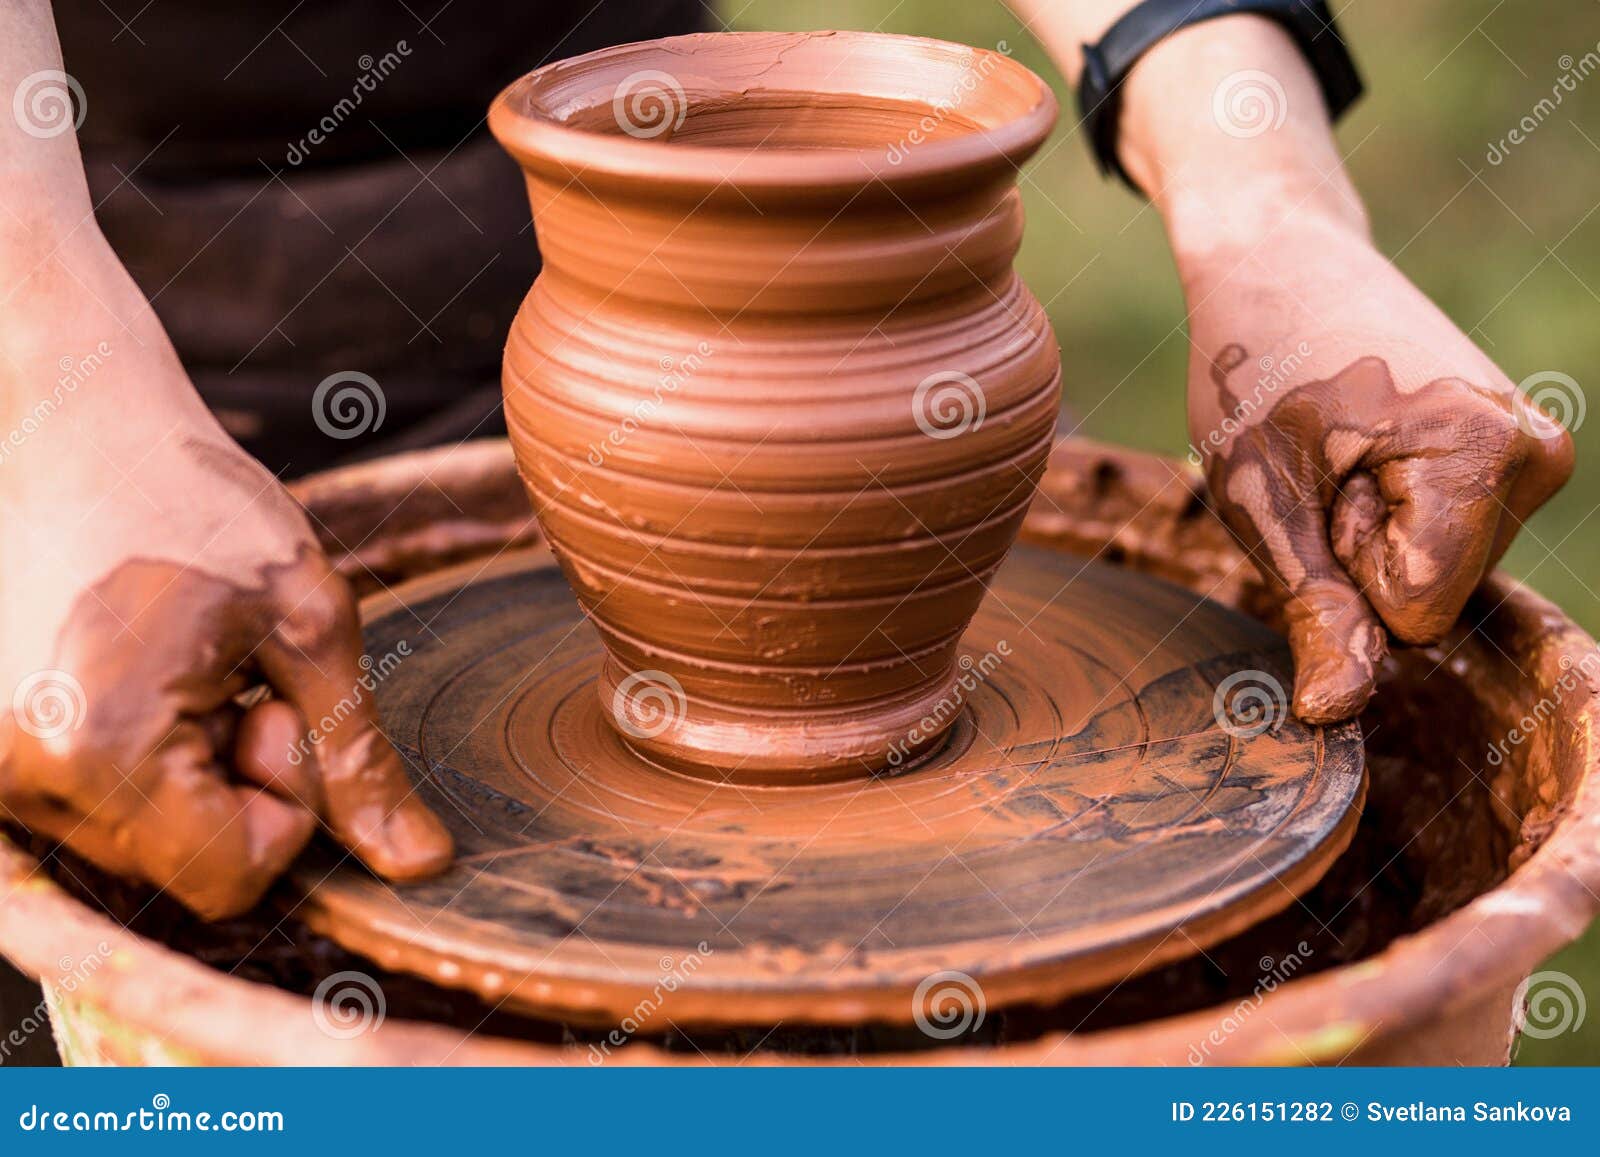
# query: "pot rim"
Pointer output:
{"type": "Point", "coordinates": [528, 119]}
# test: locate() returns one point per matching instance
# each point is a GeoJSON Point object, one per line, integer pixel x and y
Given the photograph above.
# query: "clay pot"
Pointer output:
{"type": "Point", "coordinates": [778, 396]}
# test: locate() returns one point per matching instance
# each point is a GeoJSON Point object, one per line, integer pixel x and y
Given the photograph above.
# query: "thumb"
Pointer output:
{"type": "Point", "coordinates": [1337, 643]}
{"type": "Point", "coordinates": [314, 662]}
{"type": "Point", "coordinates": [1272, 496]}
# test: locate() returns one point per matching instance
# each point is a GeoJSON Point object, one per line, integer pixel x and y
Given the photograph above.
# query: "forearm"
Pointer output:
{"type": "Point", "coordinates": [1223, 124]}
{"type": "Point", "coordinates": [41, 172]}
{"type": "Point", "coordinates": [69, 307]}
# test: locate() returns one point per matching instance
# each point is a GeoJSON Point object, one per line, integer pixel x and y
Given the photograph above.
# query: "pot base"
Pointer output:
{"type": "Point", "coordinates": [1089, 818]}
{"type": "Point", "coordinates": [776, 747]}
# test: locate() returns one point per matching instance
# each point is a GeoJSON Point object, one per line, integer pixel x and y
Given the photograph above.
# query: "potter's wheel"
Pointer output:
{"type": "Point", "coordinates": [1089, 820]}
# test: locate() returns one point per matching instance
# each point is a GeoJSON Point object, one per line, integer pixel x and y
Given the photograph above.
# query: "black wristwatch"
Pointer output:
{"type": "Point", "coordinates": [1107, 64]}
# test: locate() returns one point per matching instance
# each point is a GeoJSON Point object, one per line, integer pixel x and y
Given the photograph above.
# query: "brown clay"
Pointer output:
{"type": "Point", "coordinates": [779, 398]}
{"type": "Point", "coordinates": [1090, 818]}
{"type": "Point", "coordinates": [1474, 874]}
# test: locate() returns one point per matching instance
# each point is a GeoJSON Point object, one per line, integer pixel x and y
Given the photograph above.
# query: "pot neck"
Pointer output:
{"type": "Point", "coordinates": [728, 256]}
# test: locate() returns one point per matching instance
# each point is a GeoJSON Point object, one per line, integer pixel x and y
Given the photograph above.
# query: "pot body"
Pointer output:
{"type": "Point", "coordinates": [781, 435]}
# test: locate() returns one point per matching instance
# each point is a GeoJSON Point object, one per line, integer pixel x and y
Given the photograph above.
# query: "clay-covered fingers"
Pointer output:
{"type": "Point", "coordinates": [1545, 470]}
{"type": "Point", "coordinates": [1419, 568]}
{"type": "Point", "coordinates": [1437, 501]}
{"type": "Point", "coordinates": [213, 845]}
{"type": "Point", "coordinates": [170, 818]}
{"type": "Point", "coordinates": [1337, 642]}
{"type": "Point", "coordinates": [314, 662]}
{"type": "Point", "coordinates": [1276, 500]}
{"type": "Point", "coordinates": [270, 748]}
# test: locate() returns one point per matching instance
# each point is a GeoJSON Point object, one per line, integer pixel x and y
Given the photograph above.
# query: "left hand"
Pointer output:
{"type": "Point", "coordinates": [1371, 458]}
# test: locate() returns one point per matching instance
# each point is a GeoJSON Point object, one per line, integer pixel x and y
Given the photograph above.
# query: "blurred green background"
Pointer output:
{"type": "Point", "coordinates": [1510, 251]}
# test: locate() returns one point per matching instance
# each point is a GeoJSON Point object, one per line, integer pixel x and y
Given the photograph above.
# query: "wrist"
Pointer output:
{"type": "Point", "coordinates": [1206, 222]}
{"type": "Point", "coordinates": [1224, 126]}
{"type": "Point", "coordinates": [82, 326]}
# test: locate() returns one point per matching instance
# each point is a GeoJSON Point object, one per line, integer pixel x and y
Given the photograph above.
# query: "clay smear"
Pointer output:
{"type": "Point", "coordinates": [1377, 511]}
{"type": "Point", "coordinates": [149, 764]}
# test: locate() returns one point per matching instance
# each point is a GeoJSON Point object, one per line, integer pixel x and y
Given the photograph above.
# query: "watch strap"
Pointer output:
{"type": "Point", "coordinates": [1107, 64]}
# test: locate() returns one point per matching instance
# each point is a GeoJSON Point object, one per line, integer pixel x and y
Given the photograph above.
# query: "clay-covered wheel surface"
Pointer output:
{"type": "Point", "coordinates": [1124, 786]}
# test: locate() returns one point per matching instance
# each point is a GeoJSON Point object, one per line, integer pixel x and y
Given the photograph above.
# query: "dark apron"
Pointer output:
{"type": "Point", "coordinates": [316, 193]}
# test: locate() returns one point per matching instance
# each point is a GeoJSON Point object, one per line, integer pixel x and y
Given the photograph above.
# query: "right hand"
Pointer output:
{"type": "Point", "coordinates": [152, 572]}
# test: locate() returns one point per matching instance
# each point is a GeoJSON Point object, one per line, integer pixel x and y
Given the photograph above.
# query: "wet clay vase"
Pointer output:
{"type": "Point", "coordinates": [777, 394]}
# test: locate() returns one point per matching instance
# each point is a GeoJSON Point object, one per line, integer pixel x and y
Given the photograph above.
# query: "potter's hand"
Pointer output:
{"type": "Point", "coordinates": [158, 590]}
{"type": "Point", "coordinates": [152, 572]}
{"type": "Point", "coordinates": [1373, 460]}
